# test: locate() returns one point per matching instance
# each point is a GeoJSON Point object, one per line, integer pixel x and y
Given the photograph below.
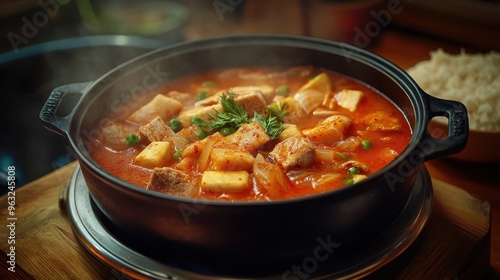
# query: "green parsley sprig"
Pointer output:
{"type": "Point", "coordinates": [235, 115]}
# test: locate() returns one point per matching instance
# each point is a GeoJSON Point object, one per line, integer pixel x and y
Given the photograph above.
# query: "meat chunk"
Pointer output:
{"type": "Point", "coordinates": [294, 152]}
{"type": "Point", "coordinates": [329, 131]}
{"type": "Point", "coordinates": [252, 98]}
{"type": "Point", "coordinates": [160, 105]}
{"type": "Point", "coordinates": [381, 121]}
{"type": "Point", "coordinates": [179, 96]}
{"type": "Point", "coordinates": [353, 163]}
{"type": "Point", "coordinates": [114, 136]}
{"type": "Point", "coordinates": [171, 181]}
{"type": "Point", "coordinates": [156, 130]}
{"type": "Point", "coordinates": [249, 137]}
{"type": "Point", "coordinates": [202, 112]}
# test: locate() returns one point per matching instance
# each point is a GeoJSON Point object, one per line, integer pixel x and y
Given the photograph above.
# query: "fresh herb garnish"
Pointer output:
{"type": "Point", "coordinates": [272, 125]}
{"type": "Point", "coordinates": [235, 115]}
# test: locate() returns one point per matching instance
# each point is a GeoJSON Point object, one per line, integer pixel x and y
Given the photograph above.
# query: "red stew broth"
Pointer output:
{"type": "Point", "coordinates": [386, 145]}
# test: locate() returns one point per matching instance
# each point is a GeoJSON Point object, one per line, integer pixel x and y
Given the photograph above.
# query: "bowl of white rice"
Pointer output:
{"type": "Point", "coordinates": [474, 80]}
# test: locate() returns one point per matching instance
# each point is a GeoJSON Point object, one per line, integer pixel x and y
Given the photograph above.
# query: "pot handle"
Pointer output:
{"type": "Point", "coordinates": [458, 128]}
{"type": "Point", "coordinates": [58, 110]}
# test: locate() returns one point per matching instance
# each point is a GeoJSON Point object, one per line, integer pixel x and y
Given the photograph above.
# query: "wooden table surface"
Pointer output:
{"type": "Point", "coordinates": [401, 48]}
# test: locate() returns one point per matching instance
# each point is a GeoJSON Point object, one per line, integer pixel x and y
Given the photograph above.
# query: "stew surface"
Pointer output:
{"type": "Point", "coordinates": [254, 134]}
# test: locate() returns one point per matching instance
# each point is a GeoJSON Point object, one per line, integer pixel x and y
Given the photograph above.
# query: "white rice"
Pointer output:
{"type": "Point", "coordinates": [472, 79]}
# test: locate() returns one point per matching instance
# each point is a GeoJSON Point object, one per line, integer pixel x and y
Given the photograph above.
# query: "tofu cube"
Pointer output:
{"type": "Point", "coordinates": [156, 154]}
{"type": "Point", "coordinates": [230, 160]}
{"type": "Point", "coordinates": [229, 181]}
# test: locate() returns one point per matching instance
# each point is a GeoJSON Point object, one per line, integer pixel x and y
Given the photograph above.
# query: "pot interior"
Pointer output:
{"type": "Point", "coordinates": [125, 89]}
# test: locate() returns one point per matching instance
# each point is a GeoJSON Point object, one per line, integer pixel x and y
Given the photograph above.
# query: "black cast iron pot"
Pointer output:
{"type": "Point", "coordinates": [248, 235]}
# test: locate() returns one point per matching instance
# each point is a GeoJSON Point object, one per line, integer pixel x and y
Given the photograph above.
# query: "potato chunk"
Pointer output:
{"type": "Point", "coordinates": [290, 131]}
{"type": "Point", "coordinates": [160, 105]}
{"type": "Point", "coordinates": [231, 181]}
{"type": "Point", "coordinates": [230, 160]}
{"type": "Point", "coordinates": [156, 154]}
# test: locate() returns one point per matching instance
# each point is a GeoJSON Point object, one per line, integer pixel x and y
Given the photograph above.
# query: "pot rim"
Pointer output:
{"type": "Point", "coordinates": [378, 63]}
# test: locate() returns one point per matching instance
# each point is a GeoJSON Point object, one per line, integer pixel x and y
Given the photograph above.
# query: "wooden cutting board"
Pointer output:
{"type": "Point", "coordinates": [454, 243]}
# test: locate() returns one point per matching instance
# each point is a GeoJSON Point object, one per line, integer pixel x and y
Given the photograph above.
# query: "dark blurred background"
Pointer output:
{"type": "Point", "coordinates": [47, 43]}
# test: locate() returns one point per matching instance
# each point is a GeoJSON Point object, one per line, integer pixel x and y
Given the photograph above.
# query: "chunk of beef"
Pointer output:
{"type": "Point", "coordinates": [249, 137]}
{"type": "Point", "coordinates": [161, 105]}
{"type": "Point", "coordinates": [156, 130]}
{"type": "Point", "coordinates": [185, 116]}
{"type": "Point", "coordinates": [381, 121]}
{"type": "Point", "coordinates": [171, 181]}
{"type": "Point", "coordinates": [253, 98]}
{"type": "Point", "coordinates": [329, 131]}
{"type": "Point", "coordinates": [294, 152]}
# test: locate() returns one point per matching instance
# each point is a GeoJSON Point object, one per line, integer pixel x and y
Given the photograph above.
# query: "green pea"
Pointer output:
{"type": "Point", "coordinates": [201, 95]}
{"type": "Point", "coordinates": [132, 139]}
{"type": "Point", "coordinates": [201, 134]}
{"type": "Point", "coordinates": [199, 121]}
{"type": "Point", "coordinates": [353, 170]}
{"type": "Point", "coordinates": [177, 154]}
{"type": "Point", "coordinates": [227, 131]}
{"type": "Point", "coordinates": [283, 90]}
{"type": "Point", "coordinates": [210, 84]}
{"type": "Point", "coordinates": [348, 181]}
{"type": "Point", "coordinates": [366, 144]}
{"type": "Point", "coordinates": [175, 125]}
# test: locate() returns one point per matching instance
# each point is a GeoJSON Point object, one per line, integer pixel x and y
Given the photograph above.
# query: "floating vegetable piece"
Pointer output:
{"type": "Point", "coordinates": [366, 144]}
{"type": "Point", "coordinates": [349, 99]}
{"type": "Point", "coordinates": [162, 106]}
{"type": "Point", "coordinates": [312, 94]}
{"type": "Point", "coordinates": [309, 100]}
{"type": "Point", "coordinates": [283, 90]}
{"type": "Point", "coordinates": [208, 84]}
{"type": "Point", "coordinates": [319, 83]}
{"type": "Point", "coordinates": [132, 139]}
{"type": "Point", "coordinates": [175, 125]}
{"type": "Point", "coordinates": [202, 95]}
